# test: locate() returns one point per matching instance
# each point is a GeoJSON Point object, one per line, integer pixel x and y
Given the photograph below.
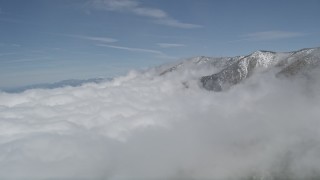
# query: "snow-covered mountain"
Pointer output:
{"type": "Point", "coordinates": [233, 70]}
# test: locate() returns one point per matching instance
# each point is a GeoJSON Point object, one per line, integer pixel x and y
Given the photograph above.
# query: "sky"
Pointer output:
{"type": "Point", "coordinates": [52, 40]}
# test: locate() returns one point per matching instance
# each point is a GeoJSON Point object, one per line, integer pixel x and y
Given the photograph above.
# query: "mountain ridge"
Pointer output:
{"type": "Point", "coordinates": [233, 70]}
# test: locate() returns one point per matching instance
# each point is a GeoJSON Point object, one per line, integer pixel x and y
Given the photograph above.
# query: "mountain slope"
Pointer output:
{"type": "Point", "coordinates": [233, 70]}
{"type": "Point", "coordinates": [290, 64]}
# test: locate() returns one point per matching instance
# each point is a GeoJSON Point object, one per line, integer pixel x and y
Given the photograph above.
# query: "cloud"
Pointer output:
{"type": "Point", "coordinates": [145, 126]}
{"type": "Point", "coordinates": [130, 6]}
{"type": "Point", "coordinates": [132, 49]}
{"type": "Point", "coordinates": [271, 35]}
{"type": "Point", "coordinates": [93, 38]}
{"type": "Point", "coordinates": [178, 24]}
{"type": "Point", "coordinates": [170, 45]}
{"type": "Point", "coordinates": [150, 12]}
{"type": "Point", "coordinates": [26, 60]}
{"type": "Point", "coordinates": [115, 5]}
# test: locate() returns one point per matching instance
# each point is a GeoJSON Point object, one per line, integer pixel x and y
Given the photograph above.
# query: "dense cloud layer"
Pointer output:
{"type": "Point", "coordinates": [166, 127]}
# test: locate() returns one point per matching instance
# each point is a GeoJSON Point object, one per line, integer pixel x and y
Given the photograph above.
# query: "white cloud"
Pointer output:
{"type": "Point", "coordinates": [93, 38]}
{"type": "Point", "coordinates": [150, 12]}
{"type": "Point", "coordinates": [271, 35]}
{"type": "Point", "coordinates": [176, 23]}
{"type": "Point", "coordinates": [27, 60]}
{"type": "Point", "coordinates": [132, 49]}
{"type": "Point", "coordinates": [115, 5]}
{"type": "Point", "coordinates": [159, 16]}
{"type": "Point", "coordinates": [170, 45]}
{"type": "Point", "coordinates": [145, 126]}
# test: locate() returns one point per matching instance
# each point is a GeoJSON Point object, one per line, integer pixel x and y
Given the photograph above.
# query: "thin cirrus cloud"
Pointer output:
{"type": "Point", "coordinates": [130, 6]}
{"type": "Point", "coordinates": [271, 35]}
{"type": "Point", "coordinates": [175, 23]}
{"type": "Point", "coordinates": [150, 12]}
{"type": "Point", "coordinates": [27, 60]}
{"type": "Point", "coordinates": [93, 38]}
{"type": "Point", "coordinates": [132, 49]}
{"type": "Point", "coordinates": [169, 45]}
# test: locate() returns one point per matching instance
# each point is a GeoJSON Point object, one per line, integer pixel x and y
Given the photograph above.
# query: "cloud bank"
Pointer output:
{"type": "Point", "coordinates": [146, 126]}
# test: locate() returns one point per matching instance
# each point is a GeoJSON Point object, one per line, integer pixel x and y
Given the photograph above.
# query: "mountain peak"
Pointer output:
{"type": "Point", "coordinates": [292, 63]}
{"type": "Point", "coordinates": [233, 70]}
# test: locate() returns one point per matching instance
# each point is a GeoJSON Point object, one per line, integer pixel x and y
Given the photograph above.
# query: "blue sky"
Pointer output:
{"type": "Point", "coordinates": [52, 40]}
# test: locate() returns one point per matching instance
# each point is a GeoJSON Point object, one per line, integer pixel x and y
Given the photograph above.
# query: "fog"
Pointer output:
{"type": "Point", "coordinates": [145, 126]}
